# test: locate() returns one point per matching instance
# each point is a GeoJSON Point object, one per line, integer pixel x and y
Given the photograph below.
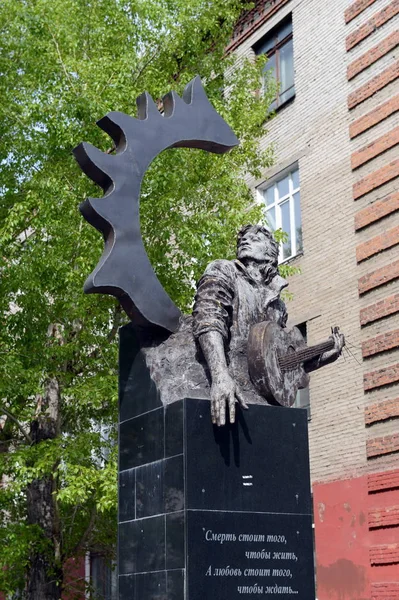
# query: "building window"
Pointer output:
{"type": "Point", "coordinates": [302, 398]}
{"type": "Point", "coordinates": [278, 46]}
{"type": "Point", "coordinates": [103, 578]}
{"type": "Point", "coordinates": [283, 211]}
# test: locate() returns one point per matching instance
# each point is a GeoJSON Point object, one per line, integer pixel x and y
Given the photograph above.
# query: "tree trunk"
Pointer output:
{"type": "Point", "coordinates": [44, 575]}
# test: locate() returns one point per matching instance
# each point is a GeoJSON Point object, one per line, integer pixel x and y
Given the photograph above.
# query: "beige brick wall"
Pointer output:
{"type": "Point", "coordinates": [313, 130]}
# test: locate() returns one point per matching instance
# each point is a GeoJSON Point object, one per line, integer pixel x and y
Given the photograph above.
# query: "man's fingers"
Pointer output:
{"type": "Point", "coordinates": [222, 410]}
{"type": "Point", "coordinates": [213, 410]}
{"type": "Point", "coordinates": [224, 401]}
{"type": "Point", "coordinates": [241, 400]}
{"type": "Point", "coordinates": [217, 411]}
{"type": "Point", "coordinates": [232, 408]}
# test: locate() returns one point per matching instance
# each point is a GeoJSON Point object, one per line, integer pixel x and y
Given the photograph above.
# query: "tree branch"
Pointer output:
{"type": "Point", "coordinates": [18, 424]}
{"type": "Point", "coordinates": [61, 61]}
{"type": "Point", "coordinates": [115, 326]}
{"type": "Point", "coordinates": [81, 544]}
{"type": "Point", "coordinates": [145, 64]}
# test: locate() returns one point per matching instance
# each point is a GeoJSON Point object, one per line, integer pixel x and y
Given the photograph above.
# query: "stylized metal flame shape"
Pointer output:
{"type": "Point", "coordinates": [124, 269]}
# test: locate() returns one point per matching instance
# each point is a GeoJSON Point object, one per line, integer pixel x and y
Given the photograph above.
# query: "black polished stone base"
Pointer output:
{"type": "Point", "coordinates": [209, 513]}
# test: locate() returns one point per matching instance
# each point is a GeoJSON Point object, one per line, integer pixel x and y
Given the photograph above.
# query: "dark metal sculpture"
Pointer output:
{"type": "Point", "coordinates": [221, 352]}
{"type": "Point", "coordinates": [239, 321]}
{"type": "Point", "coordinates": [124, 269]}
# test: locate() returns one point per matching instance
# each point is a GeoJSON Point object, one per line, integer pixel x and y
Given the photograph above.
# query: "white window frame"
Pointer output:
{"type": "Point", "coordinates": [277, 206]}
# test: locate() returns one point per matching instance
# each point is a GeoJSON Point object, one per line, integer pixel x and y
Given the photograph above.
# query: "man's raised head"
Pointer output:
{"type": "Point", "coordinates": [256, 242]}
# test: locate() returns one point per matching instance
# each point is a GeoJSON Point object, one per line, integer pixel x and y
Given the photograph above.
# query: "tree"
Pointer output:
{"type": "Point", "coordinates": [63, 65]}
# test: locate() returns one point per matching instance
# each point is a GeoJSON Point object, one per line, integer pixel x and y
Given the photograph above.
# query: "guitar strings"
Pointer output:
{"type": "Point", "coordinates": [352, 355]}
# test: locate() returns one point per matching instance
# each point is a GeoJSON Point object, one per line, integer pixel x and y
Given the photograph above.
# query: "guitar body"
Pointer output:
{"type": "Point", "coordinates": [267, 343]}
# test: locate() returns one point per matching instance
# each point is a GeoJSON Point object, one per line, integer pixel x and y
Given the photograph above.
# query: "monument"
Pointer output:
{"type": "Point", "coordinates": [214, 485]}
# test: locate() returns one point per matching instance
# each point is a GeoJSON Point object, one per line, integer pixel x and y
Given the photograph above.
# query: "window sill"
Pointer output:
{"type": "Point", "coordinates": [281, 106]}
{"type": "Point", "coordinates": [291, 259]}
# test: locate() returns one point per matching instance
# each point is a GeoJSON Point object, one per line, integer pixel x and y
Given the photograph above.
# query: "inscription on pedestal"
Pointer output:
{"type": "Point", "coordinates": [239, 555]}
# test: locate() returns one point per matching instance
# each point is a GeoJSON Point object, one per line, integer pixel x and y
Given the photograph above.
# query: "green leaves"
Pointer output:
{"type": "Point", "coordinates": [63, 65]}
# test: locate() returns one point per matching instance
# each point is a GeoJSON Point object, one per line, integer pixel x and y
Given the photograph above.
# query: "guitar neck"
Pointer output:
{"type": "Point", "coordinates": [294, 359]}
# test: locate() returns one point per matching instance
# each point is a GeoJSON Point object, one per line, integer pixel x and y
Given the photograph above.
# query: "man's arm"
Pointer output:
{"type": "Point", "coordinates": [327, 357]}
{"type": "Point", "coordinates": [212, 320]}
{"type": "Point", "coordinates": [224, 390]}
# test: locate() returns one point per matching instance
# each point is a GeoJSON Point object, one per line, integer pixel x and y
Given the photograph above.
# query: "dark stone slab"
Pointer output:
{"type": "Point", "coordinates": [175, 585]}
{"type": "Point", "coordinates": [174, 429]}
{"type": "Point", "coordinates": [157, 586]}
{"type": "Point", "coordinates": [159, 487]}
{"type": "Point", "coordinates": [142, 545]}
{"type": "Point", "coordinates": [260, 463]}
{"type": "Point", "coordinates": [150, 489]}
{"type": "Point", "coordinates": [141, 439]}
{"type": "Point", "coordinates": [137, 391]}
{"type": "Point", "coordinates": [174, 532]}
{"type": "Point", "coordinates": [229, 553]}
{"type": "Point", "coordinates": [127, 495]}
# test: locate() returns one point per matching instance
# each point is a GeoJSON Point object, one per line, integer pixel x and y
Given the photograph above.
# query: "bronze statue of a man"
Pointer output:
{"type": "Point", "coordinates": [232, 296]}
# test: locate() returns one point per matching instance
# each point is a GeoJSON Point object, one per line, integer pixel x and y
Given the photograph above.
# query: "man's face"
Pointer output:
{"type": "Point", "coordinates": [253, 244]}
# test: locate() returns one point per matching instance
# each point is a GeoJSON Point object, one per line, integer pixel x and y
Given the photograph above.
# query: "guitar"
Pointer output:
{"type": "Point", "coordinates": [277, 358]}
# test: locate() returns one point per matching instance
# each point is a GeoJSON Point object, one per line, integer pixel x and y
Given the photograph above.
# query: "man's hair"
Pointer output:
{"type": "Point", "coordinates": [271, 242]}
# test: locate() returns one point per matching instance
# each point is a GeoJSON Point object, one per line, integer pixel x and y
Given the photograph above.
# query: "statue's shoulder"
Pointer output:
{"type": "Point", "coordinates": [221, 268]}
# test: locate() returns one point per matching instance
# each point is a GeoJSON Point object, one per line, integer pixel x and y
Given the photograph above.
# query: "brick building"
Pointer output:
{"type": "Point", "coordinates": [334, 188]}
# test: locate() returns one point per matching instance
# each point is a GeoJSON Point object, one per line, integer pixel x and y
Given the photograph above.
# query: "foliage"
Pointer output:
{"type": "Point", "coordinates": [63, 65]}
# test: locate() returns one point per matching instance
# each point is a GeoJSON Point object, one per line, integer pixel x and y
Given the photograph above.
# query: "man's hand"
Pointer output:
{"type": "Point", "coordinates": [339, 342]}
{"type": "Point", "coordinates": [225, 393]}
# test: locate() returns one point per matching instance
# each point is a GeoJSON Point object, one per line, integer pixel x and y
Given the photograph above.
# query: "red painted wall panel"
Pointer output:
{"type": "Point", "coordinates": [342, 540]}
{"type": "Point", "coordinates": [346, 547]}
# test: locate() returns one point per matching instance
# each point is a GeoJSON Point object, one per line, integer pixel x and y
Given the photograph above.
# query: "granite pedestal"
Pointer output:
{"type": "Point", "coordinates": [209, 513]}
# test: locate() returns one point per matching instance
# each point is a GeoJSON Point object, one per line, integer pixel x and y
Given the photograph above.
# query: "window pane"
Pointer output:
{"type": "Point", "coordinates": [298, 222]}
{"type": "Point", "coordinates": [273, 106]}
{"type": "Point", "coordinates": [269, 195]}
{"type": "Point", "coordinates": [264, 47]}
{"type": "Point", "coordinates": [286, 66]}
{"type": "Point", "coordinates": [295, 179]}
{"type": "Point", "coordinates": [286, 227]}
{"type": "Point", "coordinates": [285, 30]}
{"type": "Point", "coordinates": [271, 64]}
{"type": "Point", "coordinates": [302, 398]}
{"type": "Point", "coordinates": [285, 96]}
{"type": "Point", "coordinates": [282, 187]}
{"type": "Point", "coordinates": [270, 74]}
{"type": "Point", "coordinates": [271, 218]}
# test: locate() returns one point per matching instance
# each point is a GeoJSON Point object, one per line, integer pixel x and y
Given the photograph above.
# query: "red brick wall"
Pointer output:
{"type": "Point", "coordinates": [253, 19]}
{"type": "Point", "coordinates": [375, 116]}
{"type": "Point", "coordinates": [372, 55]}
{"type": "Point", "coordinates": [376, 211]}
{"type": "Point", "coordinates": [380, 343]}
{"type": "Point", "coordinates": [380, 309]}
{"type": "Point", "coordinates": [372, 24]}
{"type": "Point", "coordinates": [376, 179]}
{"type": "Point", "coordinates": [377, 244]}
{"type": "Point", "coordinates": [377, 83]}
{"type": "Point", "coordinates": [356, 8]}
{"type": "Point", "coordinates": [357, 537]}
{"type": "Point", "coordinates": [380, 411]}
{"type": "Point", "coordinates": [378, 146]}
{"type": "Point", "coordinates": [380, 377]}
